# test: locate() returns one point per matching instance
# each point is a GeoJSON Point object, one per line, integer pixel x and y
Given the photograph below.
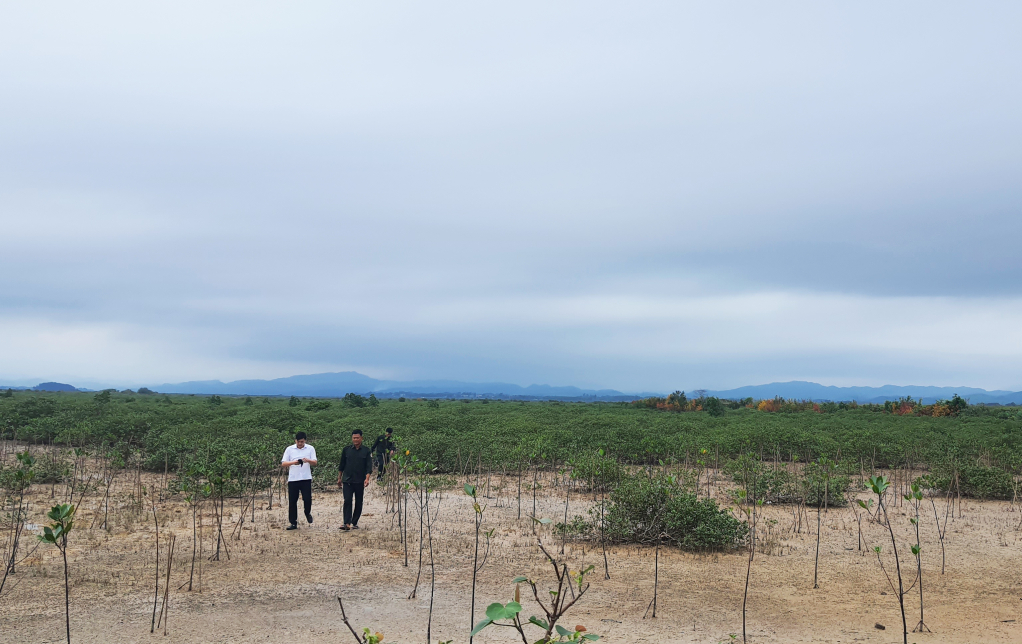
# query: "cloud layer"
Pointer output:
{"type": "Point", "coordinates": [606, 196]}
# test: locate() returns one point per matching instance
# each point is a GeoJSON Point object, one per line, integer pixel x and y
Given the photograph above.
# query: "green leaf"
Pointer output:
{"type": "Point", "coordinates": [538, 622]}
{"type": "Point", "coordinates": [495, 611]}
{"type": "Point", "coordinates": [480, 626]}
{"type": "Point", "coordinates": [470, 490]}
{"type": "Point", "coordinates": [563, 632]}
{"type": "Point", "coordinates": [518, 580]}
{"type": "Point", "coordinates": [592, 637]}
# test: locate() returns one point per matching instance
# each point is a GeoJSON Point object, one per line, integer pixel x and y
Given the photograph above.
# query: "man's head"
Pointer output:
{"type": "Point", "coordinates": [300, 439]}
{"type": "Point", "coordinates": [389, 432]}
{"type": "Point", "coordinates": [356, 438]}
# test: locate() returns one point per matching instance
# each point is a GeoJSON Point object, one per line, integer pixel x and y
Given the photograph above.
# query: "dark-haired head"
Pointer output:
{"type": "Point", "coordinates": [356, 431]}
{"type": "Point", "coordinates": [300, 436]}
{"type": "Point", "coordinates": [389, 431]}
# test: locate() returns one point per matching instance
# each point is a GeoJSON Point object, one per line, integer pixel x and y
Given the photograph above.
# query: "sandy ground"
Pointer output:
{"type": "Point", "coordinates": [283, 586]}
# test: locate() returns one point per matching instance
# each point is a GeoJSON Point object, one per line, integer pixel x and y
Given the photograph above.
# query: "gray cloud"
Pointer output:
{"type": "Point", "coordinates": [465, 191]}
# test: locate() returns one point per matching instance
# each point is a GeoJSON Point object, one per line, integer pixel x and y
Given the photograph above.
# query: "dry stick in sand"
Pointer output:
{"type": "Point", "coordinates": [166, 586]}
{"type": "Point", "coordinates": [656, 578]}
{"type": "Point", "coordinates": [343, 617]}
{"type": "Point", "coordinates": [156, 594]}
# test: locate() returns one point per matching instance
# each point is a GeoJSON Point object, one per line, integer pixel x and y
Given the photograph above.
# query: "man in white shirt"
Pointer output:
{"type": "Point", "coordinates": [299, 458]}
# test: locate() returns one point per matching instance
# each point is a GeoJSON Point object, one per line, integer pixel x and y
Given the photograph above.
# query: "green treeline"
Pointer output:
{"type": "Point", "coordinates": [981, 446]}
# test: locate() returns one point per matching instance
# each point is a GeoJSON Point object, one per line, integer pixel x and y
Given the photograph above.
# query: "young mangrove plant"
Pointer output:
{"type": "Point", "coordinates": [915, 497]}
{"type": "Point", "coordinates": [56, 533]}
{"type": "Point", "coordinates": [21, 480]}
{"type": "Point", "coordinates": [570, 588]}
{"type": "Point", "coordinates": [368, 636]}
{"type": "Point", "coordinates": [879, 485]}
{"type": "Point", "coordinates": [476, 565]}
{"type": "Point", "coordinates": [826, 468]}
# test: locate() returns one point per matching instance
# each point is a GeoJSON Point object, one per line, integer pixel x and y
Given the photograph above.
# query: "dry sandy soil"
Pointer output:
{"type": "Point", "coordinates": [283, 586]}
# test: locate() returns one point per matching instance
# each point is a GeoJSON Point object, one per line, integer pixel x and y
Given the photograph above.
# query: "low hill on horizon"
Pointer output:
{"type": "Point", "coordinates": [335, 385]}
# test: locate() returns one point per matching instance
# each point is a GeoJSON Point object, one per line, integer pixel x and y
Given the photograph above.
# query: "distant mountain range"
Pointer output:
{"type": "Point", "coordinates": [338, 384]}
{"type": "Point", "coordinates": [801, 390]}
{"type": "Point", "coordinates": [329, 385]}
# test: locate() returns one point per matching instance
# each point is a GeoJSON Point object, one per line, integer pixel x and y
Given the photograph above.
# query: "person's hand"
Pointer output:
{"type": "Point", "coordinates": [366, 484]}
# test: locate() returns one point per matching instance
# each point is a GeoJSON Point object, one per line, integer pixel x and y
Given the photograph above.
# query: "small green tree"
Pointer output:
{"type": "Point", "coordinates": [570, 588]}
{"type": "Point", "coordinates": [56, 534]}
{"type": "Point", "coordinates": [293, 402]}
{"type": "Point", "coordinates": [373, 401]}
{"type": "Point", "coordinates": [9, 393]}
{"type": "Point", "coordinates": [19, 483]}
{"type": "Point", "coordinates": [103, 397]}
{"type": "Point", "coordinates": [915, 497]}
{"type": "Point", "coordinates": [879, 485]}
{"type": "Point", "coordinates": [476, 566]}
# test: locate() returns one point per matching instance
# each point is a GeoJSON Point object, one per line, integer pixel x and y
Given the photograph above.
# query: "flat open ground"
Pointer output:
{"type": "Point", "coordinates": [283, 586]}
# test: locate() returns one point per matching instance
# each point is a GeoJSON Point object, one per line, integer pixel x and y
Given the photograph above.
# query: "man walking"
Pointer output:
{"type": "Point", "coordinates": [299, 459]}
{"type": "Point", "coordinates": [353, 477]}
{"type": "Point", "coordinates": [383, 449]}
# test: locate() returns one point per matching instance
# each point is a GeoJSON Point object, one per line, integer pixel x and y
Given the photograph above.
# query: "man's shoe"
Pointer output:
{"type": "Point", "coordinates": [344, 527]}
{"type": "Point", "coordinates": [293, 526]}
{"type": "Point", "coordinates": [308, 517]}
{"type": "Point", "coordinates": [354, 526]}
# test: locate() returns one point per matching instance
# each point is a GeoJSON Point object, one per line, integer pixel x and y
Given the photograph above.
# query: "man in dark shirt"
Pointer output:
{"type": "Point", "coordinates": [383, 449]}
{"type": "Point", "coordinates": [353, 476]}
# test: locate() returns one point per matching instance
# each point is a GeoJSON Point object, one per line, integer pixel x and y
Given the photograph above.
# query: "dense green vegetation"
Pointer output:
{"type": "Point", "coordinates": [982, 445]}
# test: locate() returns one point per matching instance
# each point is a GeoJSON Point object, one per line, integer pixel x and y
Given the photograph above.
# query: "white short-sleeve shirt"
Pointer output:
{"type": "Point", "coordinates": [301, 472]}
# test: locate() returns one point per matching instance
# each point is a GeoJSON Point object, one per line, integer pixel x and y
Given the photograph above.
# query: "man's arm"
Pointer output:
{"type": "Point", "coordinates": [284, 463]}
{"type": "Point", "coordinates": [340, 468]}
{"type": "Point", "coordinates": [312, 461]}
{"type": "Point", "coordinates": [369, 469]}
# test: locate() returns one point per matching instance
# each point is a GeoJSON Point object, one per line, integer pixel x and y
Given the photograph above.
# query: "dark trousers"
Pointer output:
{"type": "Point", "coordinates": [353, 489]}
{"type": "Point", "coordinates": [293, 489]}
{"type": "Point", "coordinates": [381, 466]}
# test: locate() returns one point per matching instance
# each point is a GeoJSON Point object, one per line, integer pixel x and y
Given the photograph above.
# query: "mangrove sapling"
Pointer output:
{"type": "Point", "coordinates": [164, 607]}
{"type": "Point", "coordinates": [656, 577]}
{"type": "Point", "coordinates": [567, 498]}
{"type": "Point", "coordinates": [476, 566]}
{"type": "Point", "coordinates": [879, 484]}
{"type": "Point", "coordinates": [751, 516]}
{"type": "Point", "coordinates": [367, 637]}
{"type": "Point", "coordinates": [56, 533]}
{"type": "Point", "coordinates": [156, 592]}
{"type": "Point", "coordinates": [432, 562]}
{"type": "Point", "coordinates": [23, 477]}
{"type": "Point", "coordinates": [915, 497]}
{"type": "Point", "coordinates": [826, 467]}
{"type": "Point", "coordinates": [509, 615]}
{"type": "Point", "coordinates": [942, 529]}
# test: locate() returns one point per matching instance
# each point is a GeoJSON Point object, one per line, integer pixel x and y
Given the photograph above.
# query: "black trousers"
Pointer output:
{"type": "Point", "coordinates": [293, 489]}
{"type": "Point", "coordinates": [353, 489]}
{"type": "Point", "coordinates": [381, 465]}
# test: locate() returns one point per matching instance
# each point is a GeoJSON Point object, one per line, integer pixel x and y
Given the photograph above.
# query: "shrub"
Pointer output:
{"type": "Point", "coordinates": [353, 400]}
{"type": "Point", "coordinates": [978, 481]}
{"type": "Point", "coordinates": [318, 405]}
{"type": "Point", "coordinates": [645, 510]}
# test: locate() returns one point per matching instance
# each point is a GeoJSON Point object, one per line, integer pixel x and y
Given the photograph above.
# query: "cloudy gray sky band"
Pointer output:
{"type": "Point", "coordinates": [637, 197]}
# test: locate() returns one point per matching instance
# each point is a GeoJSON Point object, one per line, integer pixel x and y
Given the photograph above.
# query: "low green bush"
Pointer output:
{"type": "Point", "coordinates": [976, 481]}
{"type": "Point", "coordinates": [644, 509]}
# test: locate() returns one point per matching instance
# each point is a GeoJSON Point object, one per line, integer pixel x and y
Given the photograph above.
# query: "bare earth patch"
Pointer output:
{"type": "Point", "coordinates": [281, 585]}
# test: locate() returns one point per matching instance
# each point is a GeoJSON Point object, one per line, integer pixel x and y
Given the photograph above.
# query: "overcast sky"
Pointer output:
{"type": "Point", "coordinates": [650, 196]}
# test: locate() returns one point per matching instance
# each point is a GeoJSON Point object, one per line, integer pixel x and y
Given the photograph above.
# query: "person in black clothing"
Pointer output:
{"type": "Point", "coordinates": [383, 449]}
{"type": "Point", "coordinates": [353, 476]}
